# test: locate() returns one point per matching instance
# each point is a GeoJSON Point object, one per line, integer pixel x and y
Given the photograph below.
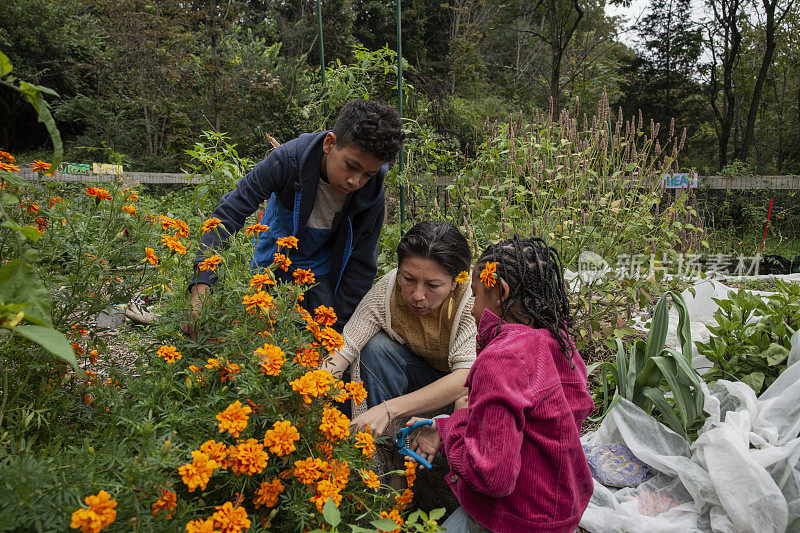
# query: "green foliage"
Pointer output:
{"type": "Point", "coordinates": [659, 380]}
{"type": "Point", "coordinates": [217, 163]}
{"type": "Point", "coordinates": [752, 338]}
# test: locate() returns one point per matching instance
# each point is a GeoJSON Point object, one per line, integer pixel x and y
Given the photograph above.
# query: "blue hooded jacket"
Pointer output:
{"type": "Point", "coordinates": [289, 177]}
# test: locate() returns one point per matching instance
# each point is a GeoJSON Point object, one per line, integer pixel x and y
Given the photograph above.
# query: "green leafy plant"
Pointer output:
{"type": "Point", "coordinates": [659, 380]}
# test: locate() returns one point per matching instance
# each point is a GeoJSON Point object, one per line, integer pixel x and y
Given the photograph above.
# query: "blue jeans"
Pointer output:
{"type": "Point", "coordinates": [389, 370]}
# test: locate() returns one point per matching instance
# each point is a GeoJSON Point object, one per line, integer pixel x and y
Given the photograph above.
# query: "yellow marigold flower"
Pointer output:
{"type": "Point", "coordinates": [8, 157]}
{"type": "Point", "coordinates": [182, 227]}
{"type": "Point", "coordinates": [489, 274]}
{"type": "Point", "coordinates": [210, 263]}
{"type": "Point", "coordinates": [340, 394]}
{"type": "Point", "coordinates": [150, 254]}
{"type": "Point", "coordinates": [357, 391]}
{"type": "Point", "coordinates": [167, 502]}
{"type": "Point", "coordinates": [289, 242]}
{"type": "Point", "coordinates": [271, 359]}
{"type": "Point", "coordinates": [261, 299]}
{"type": "Point", "coordinates": [331, 339]}
{"type": "Point", "coordinates": [404, 499]}
{"type": "Point", "coordinates": [167, 222]}
{"type": "Point", "coordinates": [325, 315]}
{"type": "Point", "coordinates": [303, 277]}
{"type": "Point", "coordinates": [308, 356]}
{"type": "Point", "coordinates": [394, 515]}
{"type": "Point", "coordinates": [213, 363]}
{"type": "Point", "coordinates": [282, 262]}
{"type": "Point", "coordinates": [462, 277]}
{"type": "Point", "coordinates": [267, 493]}
{"type": "Point", "coordinates": [259, 281]}
{"type": "Point", "coordinates": [411, 472]}
{"type": "Point", "coordinates": [100, 194]}
{"type": "Point", "coordinates": [41, 166]}
{"type": "Point", "coordinates": [201, 526]}
{"type": "Point", "coordinates": [98, 516]}
{"type": "Point", "coordinates": [234, 418]}
{"type": "Point", "coordinates": [217, 451]}
{"type": "Point", "coordinates": [309, 470]}
{"type": "Point", "coordinates": [248, 458]}
{"type": "Point", "coordinates": [198, 472]}
{"type": "Point", "coordinates": [366, 442]}
{"type": "Point", "coordinates": [130, 209]}
{"type": "Point", "coordinates": [281, 438]}
{"type": "Point", "coordinates": [210, 224]}
{"type": "Point", "coordinates": [230, 519]}
{"type": "Point", "coordinates": [370, 479]}
{"type": "Point", "coordinates": [313, 383]}
{"type": "Point", "coordinates": [169, 353]}
{"type": "Point", "coordinates": [325, 491]}
{"type": "Point", "coordinates": [334, 425]}
{"type": "Point", "coordinates": [256, 228]}
{"type": "Point", "coordinates": [8, 167]}
{"type": "Point", "coordinates": [173, 244]}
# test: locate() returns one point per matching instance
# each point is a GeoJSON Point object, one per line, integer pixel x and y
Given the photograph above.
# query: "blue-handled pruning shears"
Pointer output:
{"type": "Point", "coordinates": [400, 442]}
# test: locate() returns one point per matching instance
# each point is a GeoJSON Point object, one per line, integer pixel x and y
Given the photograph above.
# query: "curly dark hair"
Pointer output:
{"type": "Point", "coordinates": [372, 126]}
{"type": "Point", "coordinates": [438, 241]}
{"type": "Point", "coordinates": [533, 273]}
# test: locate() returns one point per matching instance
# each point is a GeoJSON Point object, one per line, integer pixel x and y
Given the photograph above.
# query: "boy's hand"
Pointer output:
{"type": "Point", "coordinates": [197, 292]}
{"type": "Point", "coordinates": [426, 441]}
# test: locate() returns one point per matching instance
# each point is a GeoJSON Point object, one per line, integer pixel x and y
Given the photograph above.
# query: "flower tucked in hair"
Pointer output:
{"type": "Point", "coordinates": [489, 274]}
{"type": "Point", "coordinates": [210, 263]}
{"type": "Point", "coordinates": [99, 515]}
{"type": "Point", "coordinates": [289, 242]}
{"type": "Point", "coordinates": [302, 276]}
{"type": "Point", "coordinates": [267, 493]}
{"type": "Point", "coordinates": [100, 194]}
{"type": "Point", "coordinates": [462, 277]}
{"type": "Point", "coordinates": [234, 418]}
{"type": "Point", "coordinates": [281, 438]}
{"type": "Point", "coordinates": [271, 359]}
{"type": "Point", "coordinates": [325, 315]}
{"type": "Point", "coordinates": [169, 354]}
{"type": "Point", "coordinates": [198, 472]}
{"type": "Point", "coordinates": [210, 224]}
{"type": "Point", "coordinates": [167, 502]}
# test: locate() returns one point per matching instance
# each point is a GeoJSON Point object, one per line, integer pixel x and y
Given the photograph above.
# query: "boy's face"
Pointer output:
{"type": "Point", "coordinates": [349, 168]}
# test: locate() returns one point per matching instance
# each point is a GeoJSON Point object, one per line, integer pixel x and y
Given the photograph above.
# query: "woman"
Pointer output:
{"type": "Point", "coordinates": [411, 340]}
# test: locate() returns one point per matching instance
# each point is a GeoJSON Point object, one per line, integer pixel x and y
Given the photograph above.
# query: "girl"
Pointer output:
{"type": "Point", "coordinates": [515, 455]}
{"type": "Point", "coordinates": [411, 339]}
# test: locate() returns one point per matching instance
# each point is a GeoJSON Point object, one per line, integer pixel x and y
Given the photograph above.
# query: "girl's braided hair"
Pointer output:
{"type": "Point", "coordinates": [533, 273]}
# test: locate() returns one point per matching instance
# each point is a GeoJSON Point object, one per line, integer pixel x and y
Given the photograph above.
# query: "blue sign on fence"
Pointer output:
{"type": "Point", "coordinates": [680, 181]}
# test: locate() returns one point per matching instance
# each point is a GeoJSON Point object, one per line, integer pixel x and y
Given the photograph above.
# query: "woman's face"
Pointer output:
{"type": "Point", "coordinates": [424, 284]}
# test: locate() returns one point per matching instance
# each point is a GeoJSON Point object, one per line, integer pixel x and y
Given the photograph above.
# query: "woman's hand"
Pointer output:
{"type": "Point", "coordinates": [461, 403]}
{"type": "Point", "coordinates": [426, 441]}
{"type": "Point", "coordinates": [375, 420]}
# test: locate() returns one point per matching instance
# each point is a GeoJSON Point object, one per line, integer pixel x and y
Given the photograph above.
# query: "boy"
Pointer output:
{"type": "Point", "coordinates": [325, 189]}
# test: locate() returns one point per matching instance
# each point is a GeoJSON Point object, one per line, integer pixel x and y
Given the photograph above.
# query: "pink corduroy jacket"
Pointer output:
{"type": "Point", "coordinates": [515, 454]}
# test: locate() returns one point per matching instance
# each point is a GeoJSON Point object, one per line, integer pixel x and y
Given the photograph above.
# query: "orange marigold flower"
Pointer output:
{"type": "Point", "coordinates": [404, 499]}
{"type": "Point", "coordinates": [267, 493]}
{"type": "Point", "coordinates": [331, 339]}
{"type": "Point", "coordinates": [93, 357]}
{"type": "Point", "coordinates": [357, 391]}
{"type": "Point", "coordinates": [313, 383]}
{"type": "Point", "coordinates": [210, 224]}
{"type": "Point", "coordinates": [303, 277]}
{"type": "Point", "coordinates": [234, 418]}
{"type": "Point", "coordinates": [289, 242]}
{"type": "Point", "coordinates": [213, 363]}
{"type": "Point", "coordinates": [8, 167]}
{"type": "Point", "coordinates": [198, 472]}
{"type": "Point", "coordinates": [41, 166]}
{"type": "Point", "coordinates": [339, 394]}
{"type": "Point", "coordinates": [256, 228]}
{"type": "Point", "coordinates": [394, 515]}
{"type": "Point", "coordinates": [325, 315]}
{"type": "Point", "coordinates": [340, 474]}
{"type": "Point", "coordinates": [411, 472]}
{"type": "Point", "coordinates": [489, 274]}
{"type": "Point", "coordinates": [98, 516]}
{"type": "Point", "coordinates": [370, 479]}
{"type": "Point", "coordinates": [271, 359]}
{"type": "Point", "coordinates": [169, 353]}
{"type": "Point", "coordinates": [151, 256]}
{"type": "Point", "coordinates": [201, 526]}
{"type": "Point", "coordinates": [230, 519]}
{"type": "Point", "coordinates": [97, 192]}
{"type": "Point", "coordinates": [210, 263]}
{"type": "Point", "coordinates": [309, 470]}
{"type": "Point", "coordinates": [248, 457]}
{"type": "Point", "coordinates": [462, 277]}
{"type": "Point", "coordinates": [215, 450]}
{"type": "Point", "coordinates": [335, 425]}
{"type": "Point", "coordinates": [167, 222]}
{"type": "Point", "coordinates": [133, 197]}
{"type": "Point", "coordinates": [8, 157]}
{"type": "Point", "coordinates": [325, 491]}
{"type": "Point", "coordinates": [182, 227]}
{"type": "Point", "coordinates": [53, 201]}
{"type": "Point", "coordinates": [130, 209]}
{"type": "Point", "coordinates": [282, 262]}
{"type": "Point", "coordinates": [167, 502]}
{"type": "Point", "coordinates": [281, 438]}
{"type": "Point", "coordinates": [259, 281]}
{"type": "Point", "coordinates": [173, 244]}
{"type": "Point", "coordinates": [41, 223]}
{"type": "Point", "coordinates": [261, 299]}
{"type": "Point", "coordinates": [308, 356]}
{"type": "Point", "coordinates": [366, 442]}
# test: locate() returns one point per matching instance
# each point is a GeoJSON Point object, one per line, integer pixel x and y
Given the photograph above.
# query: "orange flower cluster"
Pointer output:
{"type": "Point", "coordinates": [271, 359]}
{"type": "Point", "coordinates": [289, 242]}
{"type": "Point", "coordinates": [370, 479]}
{"type": "Point", "coordinates": [259, 281]}
{"type": "Point", "coordinates": [8, 167]}
{"type": "Point", "coordinates": [98, 516]}
{"type": "Point", "coordinates": [314, 383]}
{"type": "Point", "coordinates": [130, 209]}
{"type": "Point", "coordinates": [5, 156]}
{"type": "Point", "coordinates": [366, 442]}
{"type": "Point", "coordinates": [198, 472]}
{"type": "Point", "coordinates": [230, 519]}
{"type": "Point", "coordinates": [41, 223]}
{"type": "Point", "coordinates": [325, 315]}
{"type": "Point", "coordinates": [174, 223]}
{"type": "Point", "coordinates": [53, 201]}
{"type": "Point", "coordinates": [281, 438]}
{"type": "Point", "coordinates": [402, 501]}
{"type": "Point", "coordinates": [308, 356]}
{"type": "Point", "coordinates": [330, 338]}
{"type": "Point", "coordinates": [41, 166]}
{"type": "Point", "coordinates": [394, 515]}
{"type": "Point", "coordinates": [216, 451]}
{"type": "Point", "coordinates": [248, 457]}
{"type": "Point", "coordinates": [210, 224]}
{"type": "Point", "coordinates": [411, 472]}
{"type": "Point", "coordinates": [303, 277]}
{"type": "Point", "coordinates": [260, 299]}
{"type": "Point", "coordinates": [167, 502]}
{"type": "Point", "coordinates": [255, 228]}
{"type": "Point", "coordinates": [331, 487]}
{"type": "Point", "coordinates": [100, 194]}
{"type": "Point", "coordinates": [234, 418]}
{"type": "Point", "coordinates": [489, 274]}
{"type": "Point", "coordinates": [151, 256]}
{"type": "Point", "coordinates": [169, 354]}
{"type": "Point", "coordinates": [173, 243]}
{"type": "Point", "coordinates": [309, 470]}
{"type": "Point", "coordinates": [334, 425]}
{"type": "Point", "coordinates": [267, 493]}
{"type": "Point", "coordinates": [357, 391]}
{"type": "Point", "coordinates": [282, 262]}
{"type": "Point", "coordinates": [210, 263]}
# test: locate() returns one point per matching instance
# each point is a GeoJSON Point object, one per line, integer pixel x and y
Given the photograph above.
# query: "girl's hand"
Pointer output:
{"type": "Point", "coordinates": [426, 440]}
{"type": "Point", "coordinates": [375, 420]}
